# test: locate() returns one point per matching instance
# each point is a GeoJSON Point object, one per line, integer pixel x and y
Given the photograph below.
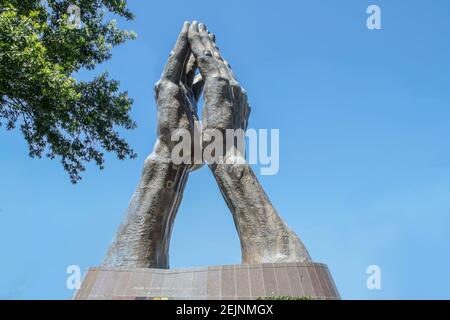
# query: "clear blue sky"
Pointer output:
{"type": "Point", "coordinates": [365, 148]}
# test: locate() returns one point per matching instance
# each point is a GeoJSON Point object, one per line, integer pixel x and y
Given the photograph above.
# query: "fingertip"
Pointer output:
{"type": "Point", "coordinates": [186, 26]}
{"type": "Point", "coordinates": [194, 25]}
{"type": "Point", "coordinates": [202, 27]}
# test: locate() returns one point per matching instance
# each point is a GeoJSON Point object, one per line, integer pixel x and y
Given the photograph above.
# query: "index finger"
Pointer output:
{"type": "Point", "coordinates": [196, 42]}
{"type": "Point", "coordinates": [175, 65]}
{"type": "Point", "coordinates": [208, 42]}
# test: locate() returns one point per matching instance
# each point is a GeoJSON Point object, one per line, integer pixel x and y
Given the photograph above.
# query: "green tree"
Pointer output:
{"type": "Point", "coordinates": [41, 47]}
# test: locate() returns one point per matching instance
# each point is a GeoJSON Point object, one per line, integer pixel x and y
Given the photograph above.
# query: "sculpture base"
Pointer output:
{"type": "Point", "coordinates": [309, 280]}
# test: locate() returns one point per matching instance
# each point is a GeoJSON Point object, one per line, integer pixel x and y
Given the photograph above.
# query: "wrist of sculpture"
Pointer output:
{"type": "Point", "coordinates": [143, 239]}
{"type": "Point", "coordinates": [264, 236]}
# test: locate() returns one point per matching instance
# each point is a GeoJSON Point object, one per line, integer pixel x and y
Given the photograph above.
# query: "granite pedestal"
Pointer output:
{"type": "Point", "coordinates": [311, 280]}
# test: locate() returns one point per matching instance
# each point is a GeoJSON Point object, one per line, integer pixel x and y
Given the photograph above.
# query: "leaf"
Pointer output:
{"type": "Point", "coordinates": [59, 117]}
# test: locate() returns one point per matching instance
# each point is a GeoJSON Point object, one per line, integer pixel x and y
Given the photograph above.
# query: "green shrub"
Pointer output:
{"type": "Point", "coordinates": [285, 298]}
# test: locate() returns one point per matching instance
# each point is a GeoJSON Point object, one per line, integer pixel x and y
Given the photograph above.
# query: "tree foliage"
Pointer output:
{"type": "Point", "coordinates": [40, 51]}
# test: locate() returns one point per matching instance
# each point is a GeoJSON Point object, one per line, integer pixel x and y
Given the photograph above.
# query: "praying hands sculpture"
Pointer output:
{"type": "Point", "coordinates": [142, 241]}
